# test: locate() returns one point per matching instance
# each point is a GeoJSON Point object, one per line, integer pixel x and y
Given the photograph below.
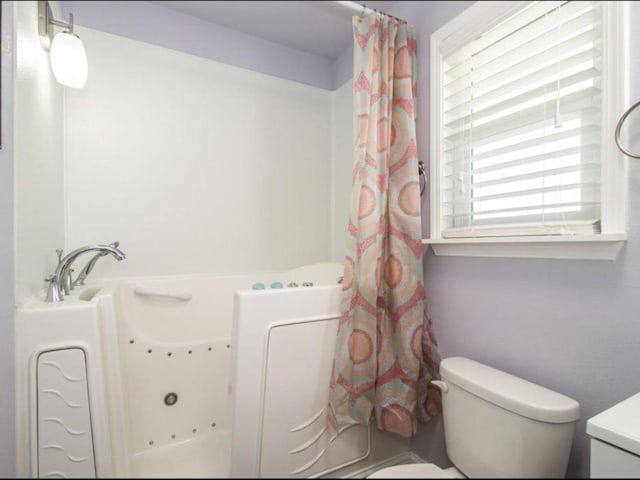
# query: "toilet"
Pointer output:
{"type": "Point", "coordinates": [497, 425]}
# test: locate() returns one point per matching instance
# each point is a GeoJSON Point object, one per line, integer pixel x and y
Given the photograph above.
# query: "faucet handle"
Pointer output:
{"type": "Point", "coordinates": [67, 284]}
{"type": "Point", "coordinates": [53, 293]}
{"type": "Point", "coordinates": [59, 251]}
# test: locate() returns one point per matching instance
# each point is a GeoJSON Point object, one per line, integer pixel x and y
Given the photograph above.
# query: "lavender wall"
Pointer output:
{"type": "Point", "coordinates": [160, 26]}
{"type": "Point", "coordinates": [570, 325]}
{"type": "Point", "coordinates": [342, 68]}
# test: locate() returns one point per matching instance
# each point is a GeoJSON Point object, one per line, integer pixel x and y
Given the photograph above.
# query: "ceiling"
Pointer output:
{"type": "Point", "coordinates": [318, 27]}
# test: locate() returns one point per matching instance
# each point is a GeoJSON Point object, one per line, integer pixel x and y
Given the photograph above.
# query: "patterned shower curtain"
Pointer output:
{"type": "Point", "coordinates": [386, 352]}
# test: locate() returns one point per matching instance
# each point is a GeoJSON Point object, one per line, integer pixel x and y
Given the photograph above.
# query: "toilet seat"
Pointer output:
{"type": "Point", "coordinates": [413, 470]}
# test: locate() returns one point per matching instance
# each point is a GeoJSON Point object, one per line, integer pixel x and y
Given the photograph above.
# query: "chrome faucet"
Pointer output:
{"type": "Point", "coordinates": [66, 280]}
{"type": "Point", "coordinates": [58, 279]}
{"type": "Point", "coordinates": [82, 276]}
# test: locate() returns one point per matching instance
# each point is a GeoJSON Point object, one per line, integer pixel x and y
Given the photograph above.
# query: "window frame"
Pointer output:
{"type": "Point", "coordinates": [606, 245]}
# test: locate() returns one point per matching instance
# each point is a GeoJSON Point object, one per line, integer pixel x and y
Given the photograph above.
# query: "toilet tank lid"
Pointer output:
{"type": "Point", "coordinates": [509, 392]}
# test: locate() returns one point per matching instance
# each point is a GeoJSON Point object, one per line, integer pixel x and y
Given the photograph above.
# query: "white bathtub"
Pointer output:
{"type": "Point", "coordinates": [244, 371]}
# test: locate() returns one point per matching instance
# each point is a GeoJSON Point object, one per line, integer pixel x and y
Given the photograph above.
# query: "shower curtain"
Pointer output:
{"type": "Point", "coordinates": [386, 352]}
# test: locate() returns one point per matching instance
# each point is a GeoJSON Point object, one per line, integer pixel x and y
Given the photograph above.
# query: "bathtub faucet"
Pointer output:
{"type": "Point", "coordinates": [56, 290]}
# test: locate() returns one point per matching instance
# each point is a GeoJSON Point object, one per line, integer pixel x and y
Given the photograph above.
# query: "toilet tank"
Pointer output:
{"type": "Point", "coordinates": [499, 425]}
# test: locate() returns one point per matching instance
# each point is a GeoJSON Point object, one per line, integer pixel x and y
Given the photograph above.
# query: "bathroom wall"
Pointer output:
{"type": "Point", "coordinates": [570, 325]}
{"type": "Point", "coordinates": [39, 168]}
{"type": "Point", "coordinates": [342, 68]}
{"type": "Point", "coordinates": [193, 165]}
{"type": "Point", "coordinates": [341, 167]}
{"type": "Point", "coordinates": [7, 288]}
{"type": "Point", "coordinates": [158, 25]}
{"type": "Point", "coordinates": [31, 188]}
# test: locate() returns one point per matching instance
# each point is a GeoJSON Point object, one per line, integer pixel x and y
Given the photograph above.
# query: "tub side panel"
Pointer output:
{"type": "Point", "coordinates": [282, 347]}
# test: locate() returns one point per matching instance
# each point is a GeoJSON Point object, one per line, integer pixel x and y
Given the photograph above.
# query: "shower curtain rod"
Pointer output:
{"type": "Point", "coordinates": [361, 8]}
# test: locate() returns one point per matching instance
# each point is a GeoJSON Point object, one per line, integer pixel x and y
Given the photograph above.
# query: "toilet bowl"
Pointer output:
{"type": "Point", "coordinates": [497, 425]}
{"type": "Point", "coordinates": [417, 470]}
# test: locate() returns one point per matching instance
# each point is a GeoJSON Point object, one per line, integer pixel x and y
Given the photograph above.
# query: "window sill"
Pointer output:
{"type": "Point", "coordinates": [586, 247]}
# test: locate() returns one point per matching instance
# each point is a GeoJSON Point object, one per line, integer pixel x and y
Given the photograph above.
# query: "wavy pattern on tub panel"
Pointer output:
{"type": "Point", "coordinates": [65, 442]}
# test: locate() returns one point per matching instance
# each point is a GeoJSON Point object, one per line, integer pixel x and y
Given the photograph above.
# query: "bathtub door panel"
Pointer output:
{"type": "Point", "coordinates": [65, 443]}
{"type": "Point", "coordinates": [294, 439]}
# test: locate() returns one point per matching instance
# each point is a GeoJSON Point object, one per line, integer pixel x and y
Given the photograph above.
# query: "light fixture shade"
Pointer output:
{"type": "Point", "coordinates": [69, 60]}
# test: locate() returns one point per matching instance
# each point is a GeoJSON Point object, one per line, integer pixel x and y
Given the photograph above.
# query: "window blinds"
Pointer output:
{"type": "Point", "coordinates": [521, 125]}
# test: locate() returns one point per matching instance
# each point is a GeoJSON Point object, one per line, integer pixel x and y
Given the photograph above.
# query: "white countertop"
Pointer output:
{"type": "Point", "coordinates": [619, 425]}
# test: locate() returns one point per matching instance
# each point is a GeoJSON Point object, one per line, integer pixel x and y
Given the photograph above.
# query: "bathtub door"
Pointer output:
{"type": "Point", "coordinates": [294, 438]}
{"type": "Point", "coordinates": [283, 344]}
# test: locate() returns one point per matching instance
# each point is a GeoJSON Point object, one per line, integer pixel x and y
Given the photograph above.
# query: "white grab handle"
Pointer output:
{"type": "Point", "coordinates": [183, 297]}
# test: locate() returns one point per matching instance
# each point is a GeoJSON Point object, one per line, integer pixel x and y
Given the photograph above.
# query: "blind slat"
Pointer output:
{"type": "Point", "coordinates": [586, 152]}
{"type": "Point", "coordinates": [588, 134]}
{"type": "Point", "coordinates": [558, 227]}
{"type": "Point", "coordinates": [515, 23]}
{"type": "Point", "coordinates": [478, 112]}
{"type": "Point", "coordinates": [521, 80]}
{"type": "Point", "coordinates": [589, 128]}
{"type": "Point", "coordinates": [533, 191]}
{"type": "Point", "coordinates": [581, 100]}
{"type": "Point", "coordinates": [541, 40]}
{"type": "Point", "coordinates": [530, 209]}
{"type": "Point", "coordinates": [532, 176]}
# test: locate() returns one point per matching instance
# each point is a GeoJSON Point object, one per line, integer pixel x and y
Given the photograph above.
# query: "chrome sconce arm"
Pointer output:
{"type": "Point", "coordinates": [66, 50]}
{"type": "Point", "coordinates": [45, 19]}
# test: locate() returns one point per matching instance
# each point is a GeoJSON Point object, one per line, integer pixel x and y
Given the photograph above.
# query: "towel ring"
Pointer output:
{"type": "Point", "coordinates": [423, 177]}
{"type": "Point", "coordinates": [619, 127]}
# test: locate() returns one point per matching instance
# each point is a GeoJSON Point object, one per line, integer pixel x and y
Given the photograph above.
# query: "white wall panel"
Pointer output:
{"type": "Point", "coordinates": [39, 166]}
{"type": "Point", "coordinates": [342, 171]}
{"type": "Point", "coordinates": [195, 166]}
{"type": "Point", "coordinates": [7, 245]}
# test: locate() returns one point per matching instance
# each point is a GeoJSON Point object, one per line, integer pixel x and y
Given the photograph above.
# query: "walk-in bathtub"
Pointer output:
{"type": "Point", "coordinates": [187, 376]}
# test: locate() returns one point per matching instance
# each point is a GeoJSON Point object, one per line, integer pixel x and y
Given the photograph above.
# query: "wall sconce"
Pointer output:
{"type": "Point", "coordinates": [66, 51]}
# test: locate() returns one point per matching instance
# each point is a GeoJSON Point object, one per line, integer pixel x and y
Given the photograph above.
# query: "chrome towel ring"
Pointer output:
{"type": "Point", "coordinates": [619, 127]}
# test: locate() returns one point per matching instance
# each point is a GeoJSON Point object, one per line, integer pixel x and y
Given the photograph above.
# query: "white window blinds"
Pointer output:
{"type": "Point", "coordinates": [521, 125]}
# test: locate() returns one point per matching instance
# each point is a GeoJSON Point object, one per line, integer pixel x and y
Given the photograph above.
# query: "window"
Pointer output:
{"type": "Point", "coordinates": [524, 99]}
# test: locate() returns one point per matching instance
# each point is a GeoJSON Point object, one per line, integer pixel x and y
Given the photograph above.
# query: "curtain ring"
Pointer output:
{"type": "Point", "coordinates": [364, 10]}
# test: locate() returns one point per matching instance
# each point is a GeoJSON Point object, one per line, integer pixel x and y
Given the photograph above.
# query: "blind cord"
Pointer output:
{"type": "Point", "coordinates": [558, 118]}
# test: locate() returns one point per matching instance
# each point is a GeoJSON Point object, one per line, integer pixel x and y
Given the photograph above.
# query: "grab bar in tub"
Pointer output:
{"type": "Point", "coordinates": [183, 297]}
